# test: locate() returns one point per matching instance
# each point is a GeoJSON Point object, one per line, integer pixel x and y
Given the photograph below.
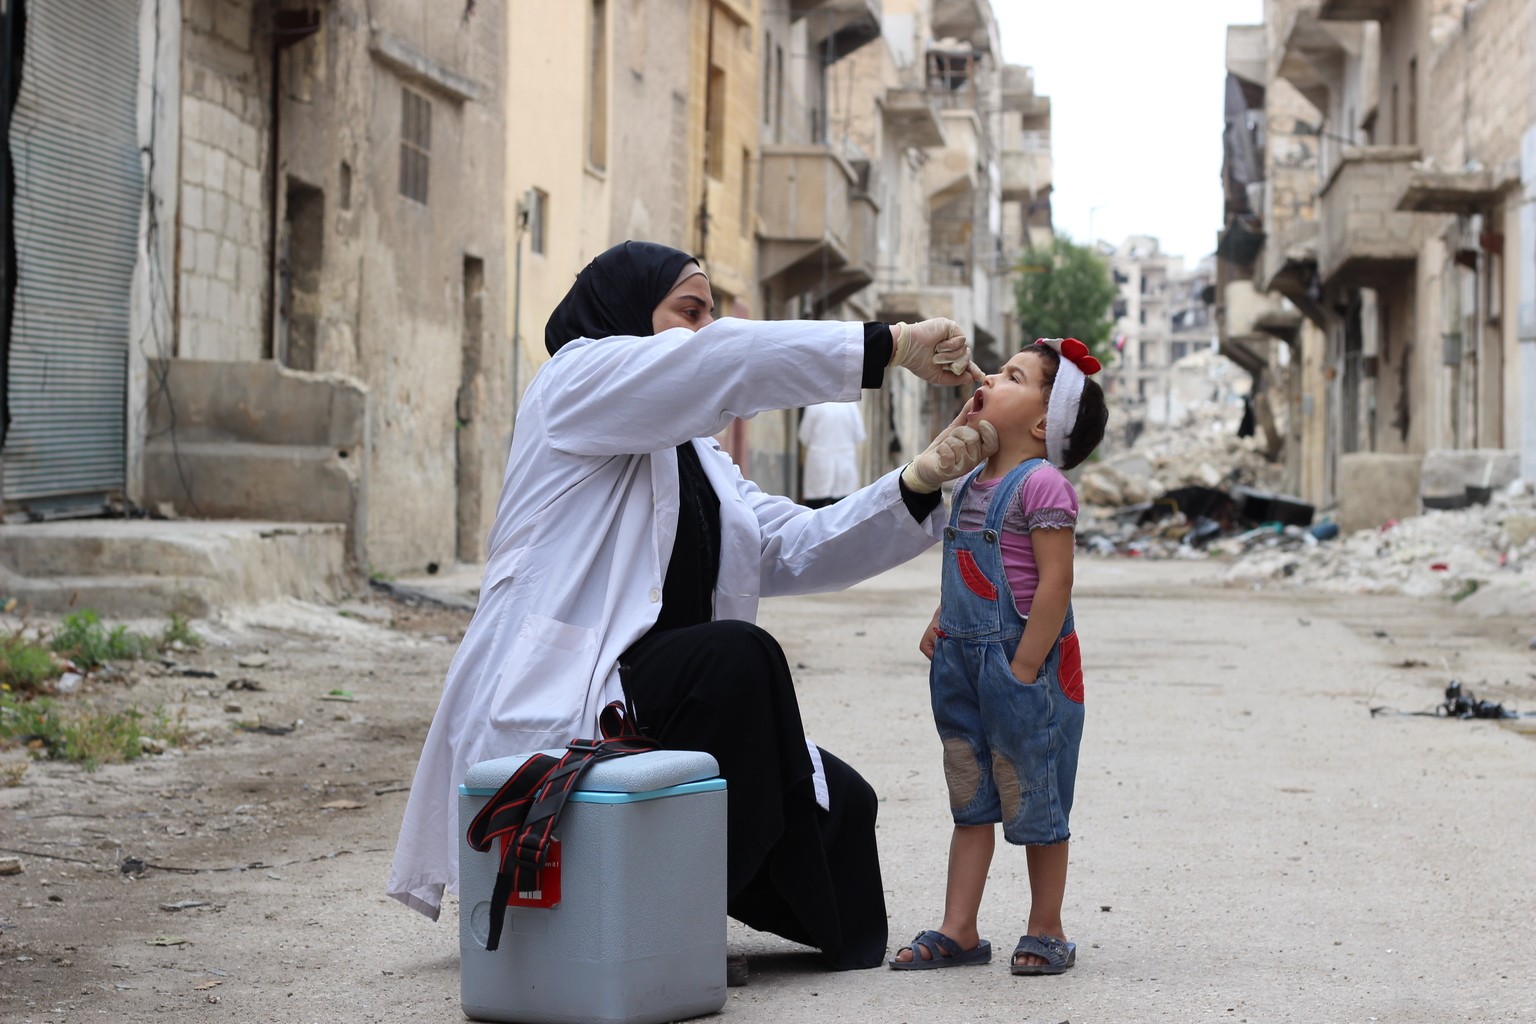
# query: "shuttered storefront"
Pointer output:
{"type": "Point", "coordinates": [79, 187]}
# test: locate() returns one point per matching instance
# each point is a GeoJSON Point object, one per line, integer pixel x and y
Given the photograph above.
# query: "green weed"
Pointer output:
{"type": "Point", "coordinates": [85, 641]}
{"type": "Point", "coordinates": [25, 665]}
{"type": "Point", "coordinates": [83, 733]}
{"type": "Point", "coordinates": [179, 631]}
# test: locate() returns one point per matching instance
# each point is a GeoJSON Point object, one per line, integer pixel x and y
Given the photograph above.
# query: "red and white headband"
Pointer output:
{"type": "Point", "coordinates": [1077, 364]}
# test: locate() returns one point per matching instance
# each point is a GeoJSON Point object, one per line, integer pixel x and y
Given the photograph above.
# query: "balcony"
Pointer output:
{"type": "Point", "coordinates": [812, 238]}
{"type": "Point", "coordinates": [1462, 192]}
{"type": "Point", "coordinates": [1026, 174]}
{"type": "Point", "coordinates": [1355, 10]}
{"type": "Point", "coordinates": [835, 28]}
{"type": "Point", "coordinates": [1314, 55]}
{"type": "Point", "coordinates": [953, 169]}
{"type": "Point", "coordinates": [1364, 238]}
{"type": "Point", "coordinates": [1288, 262]}
{"type": "Point", "coordinates": [969, 21]}
{"type": "Point", "coordinates": [912, 118]}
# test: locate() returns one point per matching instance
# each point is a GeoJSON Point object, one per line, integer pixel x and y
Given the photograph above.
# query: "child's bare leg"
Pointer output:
{"type": "Point", "coordinates": [970, 855]}
{"type": "Point", "coordinates": [1047, 888]}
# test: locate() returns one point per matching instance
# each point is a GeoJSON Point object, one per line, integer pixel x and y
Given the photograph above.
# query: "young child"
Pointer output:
{"type": "Point", "coordinates": [1007, 678]}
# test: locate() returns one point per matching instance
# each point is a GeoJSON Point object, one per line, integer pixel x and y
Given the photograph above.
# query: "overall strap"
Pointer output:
{"type": "Point", "coordinates": [1006, 489]}
{"type": "Point", "coordinates": [958, 498]}
{"type": "Point", "coordinates": [524, 811]}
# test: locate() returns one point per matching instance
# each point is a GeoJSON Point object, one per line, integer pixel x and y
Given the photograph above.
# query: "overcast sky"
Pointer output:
{"type": "Point", "coordinates": [1136, 111]}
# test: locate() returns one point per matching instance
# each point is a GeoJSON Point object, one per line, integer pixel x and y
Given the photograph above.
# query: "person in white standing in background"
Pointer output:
{"type": "Point", "coordinates": [831, 433]}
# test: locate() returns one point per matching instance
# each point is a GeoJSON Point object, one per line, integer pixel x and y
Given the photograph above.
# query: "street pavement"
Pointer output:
{"type": "Point", "coordinates": [1249, 843]}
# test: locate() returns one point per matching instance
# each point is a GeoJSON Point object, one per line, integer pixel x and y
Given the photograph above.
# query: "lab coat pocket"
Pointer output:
{"type": "Point", "coordinates": [544, 686]}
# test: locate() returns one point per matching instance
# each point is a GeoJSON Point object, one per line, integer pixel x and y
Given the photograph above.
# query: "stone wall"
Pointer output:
{"type": "Point", "coordinates": [226, 79]}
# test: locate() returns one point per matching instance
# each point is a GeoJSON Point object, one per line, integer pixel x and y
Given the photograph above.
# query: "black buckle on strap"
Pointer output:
{"type": "Point", "coordinates": [584, 746]}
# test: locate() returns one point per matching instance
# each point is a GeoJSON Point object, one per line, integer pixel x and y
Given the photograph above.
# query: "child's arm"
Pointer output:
{"type": "Point", "coordinates": [930, 636]}
{"type": "Point", "coordinates": [1053, 557]}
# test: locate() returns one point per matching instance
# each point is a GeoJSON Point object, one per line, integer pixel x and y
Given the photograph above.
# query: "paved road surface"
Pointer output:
{"type": "Point", "coordinates": [1249, 844]}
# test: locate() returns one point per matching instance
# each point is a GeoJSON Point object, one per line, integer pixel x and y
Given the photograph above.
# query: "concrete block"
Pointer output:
{"type": "Point", "coordinates": [229, 260]}
{"type": "Point", "coordinates": [192, 206]}
{"type": "Point", "coordinates": [259, 402]}
{"type": "Point", "coordinates": [206, 258]}
{"type": "Point", "coordinates": [197, 294]}
{"type": "Point", "coordinates": [250, 272]}
{"type": "Point", "coordinates": [234, 178]}
{"type": "Point", "coordinates": [217, 161]}
{"type": "Point", "coordinates": [144, 568]}
{"type": "Point", "coordinates": [1449, 472]}
{"type": "Point", "coordinates": [218, 302]}
{"type": "Point", "coordinates": [1374, 488]}
{"type": "Point", "coordinates": [250, 187]}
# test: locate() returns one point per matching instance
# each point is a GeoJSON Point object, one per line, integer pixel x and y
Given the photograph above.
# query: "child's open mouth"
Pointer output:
{"type": "Point", "coordinates": [977, 399]}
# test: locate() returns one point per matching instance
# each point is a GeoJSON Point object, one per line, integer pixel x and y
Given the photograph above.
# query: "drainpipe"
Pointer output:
{"type": "Point", "coordinates": [524, 207]}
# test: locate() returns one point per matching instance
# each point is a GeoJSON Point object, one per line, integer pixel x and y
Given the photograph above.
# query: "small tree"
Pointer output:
{"type": "Point", "coordinates": [1065, 291]}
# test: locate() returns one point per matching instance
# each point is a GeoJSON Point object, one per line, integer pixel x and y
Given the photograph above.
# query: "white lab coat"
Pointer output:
{"type": "Point", "coordinates": [831, 433]}
{"type": "Point", "coordinates": [584, 531]}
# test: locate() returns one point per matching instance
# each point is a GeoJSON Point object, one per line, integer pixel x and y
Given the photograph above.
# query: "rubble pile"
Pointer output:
{"type": "Point", "coordinates": [1173, 490]}
{"type": "Point", "coordinates": [1440, 553]}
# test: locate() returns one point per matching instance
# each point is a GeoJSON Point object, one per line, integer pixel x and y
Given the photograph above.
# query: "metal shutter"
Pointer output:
{"type": "Point", "coordinates": [79, 187]}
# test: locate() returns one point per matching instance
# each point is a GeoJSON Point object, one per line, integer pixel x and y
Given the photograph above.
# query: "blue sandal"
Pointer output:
{"type": "Point", "coordinates": [1058, 954]}
{"type": "Point", "coordinates": [943, 951]}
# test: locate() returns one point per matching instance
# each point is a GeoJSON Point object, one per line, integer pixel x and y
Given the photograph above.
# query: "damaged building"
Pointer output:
{"type": "Point", "coordinates": [1376, 273]}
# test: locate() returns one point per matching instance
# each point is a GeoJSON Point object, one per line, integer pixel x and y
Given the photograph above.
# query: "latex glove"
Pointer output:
{"type": "Point", "coordinates": [935, 350]}
{"type": "Point", "coordinates": [955, 452]}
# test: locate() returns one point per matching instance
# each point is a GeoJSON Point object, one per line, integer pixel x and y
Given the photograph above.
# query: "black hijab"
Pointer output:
{"type": "Point", "coordinates": [616, 293]}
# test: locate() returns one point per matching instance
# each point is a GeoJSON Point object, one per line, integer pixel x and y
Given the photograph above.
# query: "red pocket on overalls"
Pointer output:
{"type": "Point", "coordinates": [1070, 672]}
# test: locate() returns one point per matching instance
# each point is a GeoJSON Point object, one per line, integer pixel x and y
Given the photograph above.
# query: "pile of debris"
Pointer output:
{"type": "Point", "coordinates": [1174, 491]}
{"type": "Point", "coordinates": [1439, 553]}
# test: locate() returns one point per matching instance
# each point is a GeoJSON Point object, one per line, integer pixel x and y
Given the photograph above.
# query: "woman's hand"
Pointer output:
{"type": "Point", "coordinates": [957, 450]}
{"type": "Point", "coordinates": [935, 350]}
{"type": "Point", "coordinates": [930, 636]}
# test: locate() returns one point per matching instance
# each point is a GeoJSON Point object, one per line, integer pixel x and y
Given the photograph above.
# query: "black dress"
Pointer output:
{"type": "Point", "coordinates": [809, 875]}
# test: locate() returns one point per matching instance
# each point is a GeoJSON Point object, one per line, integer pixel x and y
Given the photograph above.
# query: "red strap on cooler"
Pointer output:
{"type": "Point", "coordinates": [524, 811]}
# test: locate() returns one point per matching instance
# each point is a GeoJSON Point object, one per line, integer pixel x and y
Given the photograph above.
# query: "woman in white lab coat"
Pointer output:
{"type": "Point", "coordinates": [626, 562]}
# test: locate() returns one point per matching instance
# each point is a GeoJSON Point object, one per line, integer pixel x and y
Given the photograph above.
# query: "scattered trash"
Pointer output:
{"type": "Point", "coordinates": [132, 866]}
{"type": "Point", "coordinates": [10, 866]}
{"type": "Point", "coordinates": [1459, 703]}
{"type": "Point", "coordinates": [185, 905]}
{"type": "Point", "coordinates": [69, 682]}
{"type": "Point", "coordinates": [342, 805]}
{"type": "Point", "coordinates": [244, 684]}
{"type": "Point", "coordinates": [253, 661]}
{"type": "Point", "coordinates": [268, 730]}
{"type": "Point", "coordinates": [167, 940]}
{"type": "Point", "coordinates": [199, 673]}
{"type": "Point", "coordinates": [205, 986]}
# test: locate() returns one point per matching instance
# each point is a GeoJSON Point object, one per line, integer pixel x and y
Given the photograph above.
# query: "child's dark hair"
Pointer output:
{"type": "Point", "coordinates": [1092, 411]}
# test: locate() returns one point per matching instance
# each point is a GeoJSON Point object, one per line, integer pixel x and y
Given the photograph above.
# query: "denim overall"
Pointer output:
{"type": "Point", "coordinates": [1010, 748]}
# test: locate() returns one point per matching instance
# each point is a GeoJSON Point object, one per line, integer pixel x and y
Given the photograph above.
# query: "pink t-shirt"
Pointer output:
{"type": "Point", "coordinates": [1047, 501]}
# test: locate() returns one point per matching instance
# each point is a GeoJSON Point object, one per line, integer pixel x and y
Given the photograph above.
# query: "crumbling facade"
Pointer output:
{"type": "Point", "coordinates": [1395, 215]}
{"type": "Point", "coordinates": [326, 234]}
{"type": "Point", "coordinates": [314, 327]}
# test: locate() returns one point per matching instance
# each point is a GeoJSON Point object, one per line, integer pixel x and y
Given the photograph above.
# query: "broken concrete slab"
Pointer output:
{"type": "Point", "coordinates": [129, 568]}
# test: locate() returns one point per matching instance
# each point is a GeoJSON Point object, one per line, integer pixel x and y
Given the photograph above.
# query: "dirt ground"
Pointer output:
{"type": "Point", "coordinates": [240, 878]}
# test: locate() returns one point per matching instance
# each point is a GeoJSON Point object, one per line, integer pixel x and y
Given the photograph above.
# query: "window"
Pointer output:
{"type": "Point", "coordinates": [767, 79]}
{"type": "Point", "coordinates": [746, 191]}
{"type": "Point", "coordinates": [415, 144]}
{"type": "Point", "coordinates": [1413, 101]}
{"type": "Point", "coordinates": [538, 217]}
{"type": "Point", "coordinates": [714, 123]}
{"type": "Point", "coordinates": [597, 91]}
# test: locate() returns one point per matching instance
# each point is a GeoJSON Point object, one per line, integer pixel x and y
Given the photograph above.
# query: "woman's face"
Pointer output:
{"type": "Point", "coordinates": [689, 304]}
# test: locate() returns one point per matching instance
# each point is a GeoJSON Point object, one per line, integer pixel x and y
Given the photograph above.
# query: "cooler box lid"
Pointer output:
{"type": "Point", "coordinates": [633, 777]}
